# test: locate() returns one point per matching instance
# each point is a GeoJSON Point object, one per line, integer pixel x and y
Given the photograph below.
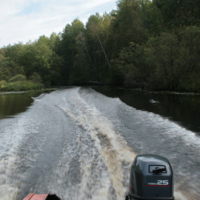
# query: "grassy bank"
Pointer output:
{"type": "Point", "coordinates": [20, 86]}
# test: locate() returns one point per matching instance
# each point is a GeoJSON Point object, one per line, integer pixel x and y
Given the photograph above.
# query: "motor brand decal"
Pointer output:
{"type": "Point", "coordinates": [159, 183]}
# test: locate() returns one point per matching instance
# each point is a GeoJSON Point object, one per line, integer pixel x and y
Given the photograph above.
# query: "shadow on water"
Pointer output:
{"type": "Point", "coordinates": [14, 103]}
{"type": "Point", "coordinates": [181, 108]}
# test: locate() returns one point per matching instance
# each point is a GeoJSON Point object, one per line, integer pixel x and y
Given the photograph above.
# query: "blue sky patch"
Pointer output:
{"type": "Point", "coordinates": [26, 20]}
{"type": "Point", "coordinates": [32, 7]}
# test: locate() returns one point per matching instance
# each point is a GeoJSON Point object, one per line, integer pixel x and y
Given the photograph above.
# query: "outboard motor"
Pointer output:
{"type": "Point", "coordinates": [151, 178]}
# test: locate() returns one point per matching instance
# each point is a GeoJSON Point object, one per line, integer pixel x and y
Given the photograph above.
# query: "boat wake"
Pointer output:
{"type": "Point", "coordinates": [80, 144]}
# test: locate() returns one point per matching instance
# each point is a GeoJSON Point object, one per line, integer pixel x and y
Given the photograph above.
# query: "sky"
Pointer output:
{"type": "Point", "coordinates": [25, 20]}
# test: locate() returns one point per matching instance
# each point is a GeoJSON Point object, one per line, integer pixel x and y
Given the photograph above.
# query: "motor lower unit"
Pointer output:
{"type": "Point", "coordinates": [151, 178]}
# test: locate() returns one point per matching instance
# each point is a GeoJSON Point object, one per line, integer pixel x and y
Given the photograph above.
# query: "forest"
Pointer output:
{"type": "Point", "coordinates": [151, 45]}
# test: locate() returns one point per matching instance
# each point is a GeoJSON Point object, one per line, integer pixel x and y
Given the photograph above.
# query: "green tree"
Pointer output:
{"type": "Point", "coordinates": [151, 17]}
{"type": "Point", "coordinates": [162, 55]}
{"type": "Point", "coordinates": [97, 36]}
{"type": "Point", "coordinates": [37, 57]}
{"type": "Point", "coordinates": [179, 13]}
{"type": "Point", "coordinates": [68, 46]}
{"type": "Point", "coordinates": [9, 68]}
{"type": "Point", "coordinates": [127, 26]}
{"type": "Point", "coordinates": [132, 65]}
{"type": "Point", "coordinates": [82, 70]}
{"type": "Point", "coordinates": [189, 60]}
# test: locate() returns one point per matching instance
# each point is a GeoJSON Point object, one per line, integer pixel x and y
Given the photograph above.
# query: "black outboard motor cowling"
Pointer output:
{"type": "Point", "coordinates": [151, 178]}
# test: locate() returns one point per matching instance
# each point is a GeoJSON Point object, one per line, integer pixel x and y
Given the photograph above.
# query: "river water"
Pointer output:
{"type": "Point", "coordinates": [79, 143]}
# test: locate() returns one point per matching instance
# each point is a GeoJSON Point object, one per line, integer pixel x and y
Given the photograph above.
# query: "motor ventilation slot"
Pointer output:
{"type": "Point", "coordinates": [157, 169]}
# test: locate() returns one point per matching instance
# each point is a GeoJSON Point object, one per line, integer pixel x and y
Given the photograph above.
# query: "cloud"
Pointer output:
{"type": "Point", "coordinates": [24, 20]}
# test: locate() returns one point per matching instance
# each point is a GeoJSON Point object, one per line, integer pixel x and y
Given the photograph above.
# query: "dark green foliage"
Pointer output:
{"type": "Point", "coordinates": [127, 26]}
{"type": "Point", "coordinates": [68, 49]}
{"type": "Point", "coordinates": [81, 70]}
{"type": "Point", "coordinates": [152, 18]}
{"type": "Point", "coordinates": [9, 68]}
{"type": "Point", "coordinates": [166, 62]}
{"type": "Point", "coordinates": [162, 57]}
{"type": "Point", "coordinates": [132, 65]}
{"type": "Point", "coordinates": [18, 77]}
{"type": "Point", "coordinates": [153, 45]}
{"type": "Point", "coordinates": [3, 84]}
{"type": "Point", "coordinates": [189, 60]}
{"type": "Point", "coordinates": [179, 13]}
{"type": "Point", "coordinates": [20, 86]}
{"type": "Point", "coordinates": [36, 78]}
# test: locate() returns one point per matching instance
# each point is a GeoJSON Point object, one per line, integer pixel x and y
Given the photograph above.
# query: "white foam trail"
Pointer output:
{"type": "Point", "coordinates": [12, 137]}
{"type": "Point", "coordinates": [111, 145]}
{"type": "Point", "coordinates": [9, 143]}
{"type": "Point", "coordinates": [114, 153]}
{"type": "Point", "coordinates": [7, 192]}
{"type": "Point", "coordinates": [170, 128]}
{"type": "Point", "coordinates": [109, 155]}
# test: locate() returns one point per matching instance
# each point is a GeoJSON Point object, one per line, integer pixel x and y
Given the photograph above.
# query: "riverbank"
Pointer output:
{"type": "Point", "coordinates": [29, 86]}
{"type": "Point", "coordinates": [166, 92]}
{"type": "Point", "coordinates": [147, 91]}
{"type": "Point", "coordinates": [25, 85]}
{"type": "Point", "coordinates": [22, 92]}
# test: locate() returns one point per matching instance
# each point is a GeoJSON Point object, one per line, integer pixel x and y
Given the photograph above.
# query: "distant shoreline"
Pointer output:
{"type": "Point", "coordinates": [137, 89]}
{"type": "Point", "coordinates": [22, 92]}
{"type": "Point", "coordinates": [150, 91]}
